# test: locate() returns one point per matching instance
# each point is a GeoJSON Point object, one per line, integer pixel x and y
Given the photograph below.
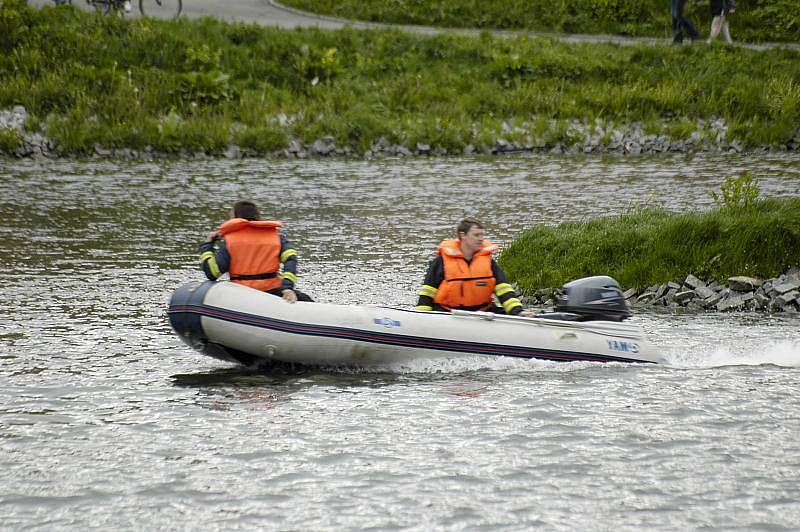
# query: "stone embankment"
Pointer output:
{"type": "Point", "coordinates": [578, 136]}
{"type": "Point", "coordinates": [780, 294]}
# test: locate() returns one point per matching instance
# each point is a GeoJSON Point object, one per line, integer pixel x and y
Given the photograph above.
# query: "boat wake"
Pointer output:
{"type": "Point", "coordinates": [783, 353]}
{"type": "Point", "coordinates": [477, 364]}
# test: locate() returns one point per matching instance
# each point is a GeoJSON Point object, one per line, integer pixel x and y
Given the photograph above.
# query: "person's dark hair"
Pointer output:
{"type": "Point", "coordinates": [246, 210]}
{"type": "Point", "coordinates": [466, 224]}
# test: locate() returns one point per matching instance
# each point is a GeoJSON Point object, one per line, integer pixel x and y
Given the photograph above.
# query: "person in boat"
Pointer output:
{"type": "Point", "coordinates": [464, 276]}
{"type": "Point", "coordinates": [252, 251]}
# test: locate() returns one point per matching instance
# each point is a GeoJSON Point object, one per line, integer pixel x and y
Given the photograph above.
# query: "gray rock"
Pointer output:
{"type": "Point", "coordinates": [634, 148]}
{"type": "Point", "coordinates": [693, 282]}
{"type": "Point", "coordinates": [100, 151]}
{"type": "Point", "coordinates": [232, 152]}
{"type": "Point", "coordinates": [646, 297]}
{"type": "Point", "coordinates": [294, 146]}
{"type": "Point", "coordinates": [13, 118]}
{"type": "Point", "coordinates": [324, 146]}
{"type": "Point", "coordinates": [403, 151]}
{"type": "Point", "coordinates": [694, 305]}
{"type": "Point", "coordinates": [787, 297]}
{"type": "Point", "coordinates": [673, 285]}
{"type": "Point", "coordinates": [786, 286]}
{"type": "Point", "coordinates": [629, 293]}
{"type": "Point", "coordinates": [703, 292]}
{"type": "Point", "coordinates": [734, 301]}
{"type": "Point", "coordinates": [661, 291]}
{"type": "Point", "coordinates": [713, 300]}
{"type": "Point", "coordinates": [685, 296]}
{"type": "Point", "coordinates": [744, 284]}
{"type": "Point", "coordinates": [423, 148]}
{"type": "Point", "coordinates": [381, 145]}
{"type": "Point", "coordinates": [761, 300]}
{"type": "Point", "coordinates": [501, 145]}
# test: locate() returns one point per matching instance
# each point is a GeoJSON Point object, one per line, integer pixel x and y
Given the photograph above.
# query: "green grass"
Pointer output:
{"type": "Point", "coordinates": [88, 80]}
{"type": "Point", "coordinates": [754, 20]}
{"type": "Point", "coordinates": [10, 140]}
{"type": "Point", "coordinates": [649, 246]}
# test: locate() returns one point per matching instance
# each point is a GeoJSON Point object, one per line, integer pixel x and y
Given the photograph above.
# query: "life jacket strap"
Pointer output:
{"type": "Point", "coordinates": [480, 308]}
{"type": "Point", "coordinates": [270, 275]}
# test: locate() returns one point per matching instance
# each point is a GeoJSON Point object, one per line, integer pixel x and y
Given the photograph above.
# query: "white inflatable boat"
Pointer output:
{"type": "Point", "coordinates": [231, 322]}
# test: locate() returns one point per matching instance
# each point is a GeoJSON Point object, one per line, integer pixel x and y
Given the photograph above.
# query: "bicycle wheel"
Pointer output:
{"type": "Point", "coordinates": [101, 6]}
{"type": "Point", "coordinates": [160, 8]}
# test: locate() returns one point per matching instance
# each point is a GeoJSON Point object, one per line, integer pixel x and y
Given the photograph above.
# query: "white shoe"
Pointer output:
{"type": "Point", "coordinates": [127, 6]}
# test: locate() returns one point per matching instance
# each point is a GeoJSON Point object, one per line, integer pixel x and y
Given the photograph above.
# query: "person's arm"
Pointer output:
{"type": "Point", "coordinates": [430, 286]}
{"type": "Point", "coordinates": [505, 292]}
{"type": "Point", "coordinates": [288, 259]}
{"type": "Point", "coordinates": [214, 263]}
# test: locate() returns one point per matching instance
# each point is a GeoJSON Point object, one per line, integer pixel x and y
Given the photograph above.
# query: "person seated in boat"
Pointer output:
{"type": "Point", "coordinates": [252, 251]}
{"type": "Point", "coordinates": [464, 276]}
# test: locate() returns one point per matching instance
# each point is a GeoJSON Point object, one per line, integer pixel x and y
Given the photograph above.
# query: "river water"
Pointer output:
{"type": "Point", "coordinates": [107, 421]}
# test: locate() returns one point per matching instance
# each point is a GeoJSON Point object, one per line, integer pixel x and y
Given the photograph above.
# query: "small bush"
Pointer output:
{"type": "Point", "coordinates": [10, 140]}
{"type": "Point", "coordinates": [261, 139]}
{"type": "Point", "coordinates": [738, 192]}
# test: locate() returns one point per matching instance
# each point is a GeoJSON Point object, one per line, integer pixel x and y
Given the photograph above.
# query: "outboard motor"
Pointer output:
{"type": "Point", "coordinates": [594, 298]}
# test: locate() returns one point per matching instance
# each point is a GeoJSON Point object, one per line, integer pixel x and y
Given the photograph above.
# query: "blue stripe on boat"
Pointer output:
{"type": "Point", "coordinates": [399, 340]}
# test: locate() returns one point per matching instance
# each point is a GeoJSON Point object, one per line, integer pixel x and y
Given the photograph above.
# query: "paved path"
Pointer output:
{"type": "Point", "coordinates": [272, 13]}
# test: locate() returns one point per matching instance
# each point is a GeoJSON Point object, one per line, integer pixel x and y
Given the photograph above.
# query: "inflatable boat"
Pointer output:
{"type": "Point", "coordinates": [234, 323]}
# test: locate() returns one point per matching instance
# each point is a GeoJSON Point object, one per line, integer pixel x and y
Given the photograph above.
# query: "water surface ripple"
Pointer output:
{"type": "Point", "coordinates": [107, 421]}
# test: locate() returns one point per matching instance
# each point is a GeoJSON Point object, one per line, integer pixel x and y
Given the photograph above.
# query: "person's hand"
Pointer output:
{"type": "Point", "coordinates": [527, 314]}
{"type": "Point", "coordinates": [214, 235]}
{"type": "Point", "coordinates": [289, 295]}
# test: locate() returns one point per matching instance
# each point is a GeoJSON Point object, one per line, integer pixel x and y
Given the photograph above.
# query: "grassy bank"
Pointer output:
{"type": "Point", "coordinates": [754, 20]}
{"type": "Point", "coordinates": [202, 85]}
{"type": "Point", "coordinates": [651, 246]}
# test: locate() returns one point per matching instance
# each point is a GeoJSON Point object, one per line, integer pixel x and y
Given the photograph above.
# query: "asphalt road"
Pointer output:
{"type": "Point", "coordinates": [255, 11]}
{"type": "Point", "coordinates": [272, 13]}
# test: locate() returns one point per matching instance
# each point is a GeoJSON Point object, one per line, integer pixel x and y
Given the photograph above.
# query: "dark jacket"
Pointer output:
{"type": "Point", "coordinates": [719, 7]}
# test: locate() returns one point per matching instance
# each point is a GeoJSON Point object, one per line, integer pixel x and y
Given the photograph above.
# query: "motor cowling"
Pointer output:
{"type": "Point", "coordinates": [593, 299]}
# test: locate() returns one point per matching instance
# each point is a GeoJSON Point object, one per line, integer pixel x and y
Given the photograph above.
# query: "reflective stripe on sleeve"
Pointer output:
{"type": "Point", "coordinates": [213, 268]}
{"type": "Point", "coordinates": [290, 276]}
{"type": "Point", "coordinates": [423, 307]}
{"type": "Point", "coordinates": [428, 290]}
{"type": "Point", "coordinates": [288, 253]}
{"type": "Point", "coordinates": [510, 304]}
{"type": "Point", "coordinates": [503, 288]}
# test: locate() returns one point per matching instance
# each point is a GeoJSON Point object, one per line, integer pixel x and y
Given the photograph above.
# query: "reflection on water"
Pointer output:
{"type": "Point", "coordinates": [108, 421]}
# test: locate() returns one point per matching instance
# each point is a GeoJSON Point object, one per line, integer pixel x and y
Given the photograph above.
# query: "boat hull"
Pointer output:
{"type": "Point", "coordinates": [234, 323]}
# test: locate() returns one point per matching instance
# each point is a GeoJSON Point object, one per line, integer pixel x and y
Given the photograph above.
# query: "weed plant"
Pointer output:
{"type": "Point", "coordinates": [88, 80]}
{"type": "Point", "coordinates": [643, 247]}
{"type": "Point", "coordinates": [754, 20]}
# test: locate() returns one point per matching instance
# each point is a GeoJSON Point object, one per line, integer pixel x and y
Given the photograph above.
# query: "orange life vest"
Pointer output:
{"type": "Point", "coordinates": [466, 284]}
{"type": "Point", "coordinates": [255, 250]}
